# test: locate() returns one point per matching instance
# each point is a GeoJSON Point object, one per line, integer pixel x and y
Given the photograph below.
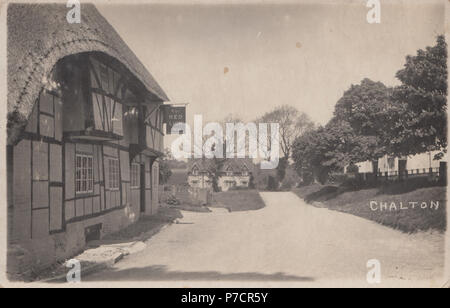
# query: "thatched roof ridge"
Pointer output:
{"type": "Point", "coordinates": [39, 35]}
{"type": "Point", "coordinates": [203, 164]}
{"type": "Point", "coordinates": [237, 164]}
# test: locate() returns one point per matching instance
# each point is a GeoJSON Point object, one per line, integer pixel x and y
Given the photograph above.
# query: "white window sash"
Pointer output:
{"type": "Point", "coordinates": [84, 174]}
{"type": "Point", "coordinates": [113, 164]}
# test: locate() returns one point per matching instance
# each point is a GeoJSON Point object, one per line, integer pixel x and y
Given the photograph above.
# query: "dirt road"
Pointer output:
{"type": "Point", "coordinates": [287, 243]}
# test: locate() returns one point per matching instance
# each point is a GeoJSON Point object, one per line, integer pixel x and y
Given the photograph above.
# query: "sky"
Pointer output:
{"type": "Point", "coordinates": [246, 59]}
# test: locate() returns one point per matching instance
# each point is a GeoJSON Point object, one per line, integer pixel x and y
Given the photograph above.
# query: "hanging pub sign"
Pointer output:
{"type": "Point", "coordinates": [172, 115]}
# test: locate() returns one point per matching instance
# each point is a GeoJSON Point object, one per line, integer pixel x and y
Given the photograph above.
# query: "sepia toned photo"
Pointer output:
{"type": "Point", "coordinates": [225, 144]}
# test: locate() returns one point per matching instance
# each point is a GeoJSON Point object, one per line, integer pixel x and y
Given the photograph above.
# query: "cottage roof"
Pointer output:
{"type": "Point", "coordinates": [203, 164]}
{"type": "Point", "coordinates": [39, 35]}
{"type": "Point", "coordinates": [236, 164]}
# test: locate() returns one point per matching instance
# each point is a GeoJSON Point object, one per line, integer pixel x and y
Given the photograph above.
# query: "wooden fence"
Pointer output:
{"type": "Point", "coordinates": [432, 174]}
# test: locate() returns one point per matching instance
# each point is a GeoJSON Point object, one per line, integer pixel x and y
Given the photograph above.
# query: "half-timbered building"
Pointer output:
{"type": "Point", "coordinates": [84, 134]}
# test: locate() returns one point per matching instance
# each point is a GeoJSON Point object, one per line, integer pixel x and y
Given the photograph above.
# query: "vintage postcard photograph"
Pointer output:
{"type": "Point", "coordinates": [224, 144]}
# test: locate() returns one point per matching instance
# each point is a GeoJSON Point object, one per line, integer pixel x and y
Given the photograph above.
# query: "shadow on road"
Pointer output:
{"type": "Point", "coordinates": [161, 273]}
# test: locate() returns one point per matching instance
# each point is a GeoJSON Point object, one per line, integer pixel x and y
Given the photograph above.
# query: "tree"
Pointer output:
{"type": "Point", "coordinates": [345, 146]}
{"type": "Point", "coordinates": [372, 120]}
{"type": "Point", "coordinates": [217, 163]}
{"type": "Point", "coordinates": [352, 168]}
{"type": "Point", "coordinates": [367, 108]}
{"type": "Point", "coordinates": [420, 122]}
{"type": "Point", "coordinates": [355, 133]}
{"type": "Point", "coordinates": [173, 163]}
{"type": "Point", "coordinates": [292, 124]}
{"type": "Point", "coordinates": [329, 149]}
{"type": "Point", "coordinates": [312, 152]}
{"type": "Point", "coordinates": [272, 184]}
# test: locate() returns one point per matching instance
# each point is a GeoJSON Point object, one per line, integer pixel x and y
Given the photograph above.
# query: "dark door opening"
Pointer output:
{"type": "Point", "coordinates": [142, 187]}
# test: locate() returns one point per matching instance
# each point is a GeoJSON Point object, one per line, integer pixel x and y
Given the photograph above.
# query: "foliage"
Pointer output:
{"type": "Point", "coordinates": [420, 122]}
{"type": "Point", "coordinates": [281, 169]}
{"type": "Point", "coordinates": [215, 168]}
{"type": "Point", "coordinates": [251, 184]}
{"type": "Point", "coordinates": [172, 162]}
{"type": "Point", "coordinates": [311, 151]}
{"type": "Point", "coordinates": [272, 184]}
{"type": "Point", "coordinates": [352, 168]}
{"type": "Point", "coordinates": [354, 134]}
{"type": "Point", "coordinates": [286, 185]}
{"type": "Point", "coordinates": [366, 108]}
{"type": "Point", "coordinates": [176, 164]}
{"type": "Point", "coordinates": [371, 120]}
{"type": "Point", "coordinates": [292, 124]}
{"type": "Point", "coordinates": [307, 177]}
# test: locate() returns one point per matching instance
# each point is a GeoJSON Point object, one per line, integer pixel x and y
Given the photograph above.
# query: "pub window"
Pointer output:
{"type": "Point", "coordinates": [134, 175]}
{"type": "Point", "coordinates": [83, 175]}
{"type": "Point", "coordinates": [113, 168]}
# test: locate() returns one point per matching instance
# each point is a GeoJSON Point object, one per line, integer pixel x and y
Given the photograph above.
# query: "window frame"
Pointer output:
{"type": "Point", "coordinates": [89, 176]}
{"type": "Point", "coordinates": [111, 175]}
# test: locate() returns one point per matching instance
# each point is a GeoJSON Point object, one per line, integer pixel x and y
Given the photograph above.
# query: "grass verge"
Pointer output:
{"type": "Point", "coordinates": [238, 200]}
{"type": "Point", "coordinates": [191, 208]}
{"type": "Point", "coordinates": [402, 215]}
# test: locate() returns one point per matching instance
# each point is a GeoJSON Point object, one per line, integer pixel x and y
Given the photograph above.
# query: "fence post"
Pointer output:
{"type": "Point", "coordinates": [443, 172]}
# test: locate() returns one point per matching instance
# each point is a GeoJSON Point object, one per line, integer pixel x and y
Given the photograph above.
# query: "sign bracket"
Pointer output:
{"type": "Point", "coordinates": [157, 107]}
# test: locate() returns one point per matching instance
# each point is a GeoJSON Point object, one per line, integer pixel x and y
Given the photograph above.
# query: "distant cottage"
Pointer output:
{"type": "Point", "coordinates": [233, 173]}
{"type": "Point", "coordinates": [84, 134]}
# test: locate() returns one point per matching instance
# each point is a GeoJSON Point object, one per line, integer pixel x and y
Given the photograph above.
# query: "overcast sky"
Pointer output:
{"type": "Point", "coordinates": [247, 59]}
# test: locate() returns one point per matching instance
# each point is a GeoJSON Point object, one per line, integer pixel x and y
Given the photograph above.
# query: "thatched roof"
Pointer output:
{"type": "Point", "coordinates": [236, 164]}
{"type": "Point", "coordinates": [39, 35]}
{"type": "Point", "coordinates": [203, 164]}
